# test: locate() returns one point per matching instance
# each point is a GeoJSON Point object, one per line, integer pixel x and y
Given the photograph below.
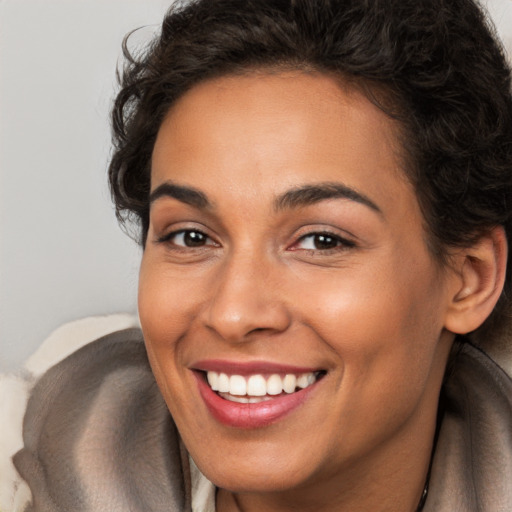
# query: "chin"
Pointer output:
{"type": "Point", "coordinates": [263, 481]}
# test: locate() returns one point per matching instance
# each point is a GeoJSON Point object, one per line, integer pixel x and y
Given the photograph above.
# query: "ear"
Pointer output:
{"type": "Point", "coordinates": [478, 282]}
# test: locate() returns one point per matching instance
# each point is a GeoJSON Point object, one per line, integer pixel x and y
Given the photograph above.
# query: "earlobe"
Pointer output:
{"type": "Point", "coordinates": [478, 282]}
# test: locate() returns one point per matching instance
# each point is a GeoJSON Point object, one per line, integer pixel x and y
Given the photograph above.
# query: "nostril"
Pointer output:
{"type": "Point", "coordinates": [258, 329]}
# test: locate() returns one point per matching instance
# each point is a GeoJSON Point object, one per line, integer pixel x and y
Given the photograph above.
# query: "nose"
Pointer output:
{"type": "Point", "coordinates": [247, 299]}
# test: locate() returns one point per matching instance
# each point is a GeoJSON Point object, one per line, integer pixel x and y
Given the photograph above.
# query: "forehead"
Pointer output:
{"type": "Point", "coordinates": [270, 132]}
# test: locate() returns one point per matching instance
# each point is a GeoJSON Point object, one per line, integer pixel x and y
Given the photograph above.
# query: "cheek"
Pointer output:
{"type": "Point", "coordinates": [165, 303]}
{"type": "Point", "coordinates": [162, 322]}
{"type": "Point", "coordinates": [383, 323]}
{"type": "Point", "coordinates": [161, 312]}
{"type": "Point", "coordinates": [385, 343]}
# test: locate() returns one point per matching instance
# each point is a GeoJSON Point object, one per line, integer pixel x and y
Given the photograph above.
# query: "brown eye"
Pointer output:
{"type": "Point", "coordinates": [322, 242]}
{"type": "Point", "coordinates": [194, 238]}
{"type": "Point", "coordinates": [188, 238]}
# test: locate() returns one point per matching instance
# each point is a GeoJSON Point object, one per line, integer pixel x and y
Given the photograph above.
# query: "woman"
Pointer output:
{"type": "Point", "coordinates": [323, 191]}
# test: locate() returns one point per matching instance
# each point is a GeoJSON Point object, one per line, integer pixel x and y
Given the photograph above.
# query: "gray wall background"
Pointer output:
{"type": "Point", "coordinates": [62, 255]}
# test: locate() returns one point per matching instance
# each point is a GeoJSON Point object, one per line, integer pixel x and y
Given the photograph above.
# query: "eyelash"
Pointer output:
{"type": "Point", "coordinates": [183, 232]}
{"type": "Point", "coordinates": [341, 243]}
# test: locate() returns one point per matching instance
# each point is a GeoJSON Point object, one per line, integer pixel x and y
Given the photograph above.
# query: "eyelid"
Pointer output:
{"type": "Point", "coordinates": [166, 238]}
{"type": "Point", "coordinates": [344, 242]}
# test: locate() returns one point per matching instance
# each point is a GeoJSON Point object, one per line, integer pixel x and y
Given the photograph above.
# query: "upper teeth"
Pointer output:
{"type": "Point", "coordinates": [258, 385]}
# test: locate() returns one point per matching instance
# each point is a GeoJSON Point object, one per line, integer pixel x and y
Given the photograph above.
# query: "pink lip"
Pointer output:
{"type": "Point", "coordinates": [249, 368]}
{"type": "Point", "coordinates": [250, 416]}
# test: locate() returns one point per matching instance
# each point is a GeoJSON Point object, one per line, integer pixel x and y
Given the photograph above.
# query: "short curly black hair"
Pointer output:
{"type": "Point", "coordinates": [442, 70]}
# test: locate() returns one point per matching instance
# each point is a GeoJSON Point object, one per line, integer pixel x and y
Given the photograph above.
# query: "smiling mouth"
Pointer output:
{"type": "Point", "coordinates": [253, 389]}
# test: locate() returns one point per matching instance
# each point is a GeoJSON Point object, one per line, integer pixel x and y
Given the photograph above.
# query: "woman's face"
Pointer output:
{"type": "Point", "coordinates": [286, 249]}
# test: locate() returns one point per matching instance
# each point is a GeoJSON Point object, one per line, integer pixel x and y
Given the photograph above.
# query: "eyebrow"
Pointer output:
{"type": "Point", "coordinates": [311, 194]}
{"type": "Point", "coordinates": [185, 194]}
{"type": "Point", "coordinates": [295, 198]}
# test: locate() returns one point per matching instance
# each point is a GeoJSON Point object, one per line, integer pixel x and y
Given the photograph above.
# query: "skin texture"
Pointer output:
{"type": "Point", "coordinates": [371, 310]}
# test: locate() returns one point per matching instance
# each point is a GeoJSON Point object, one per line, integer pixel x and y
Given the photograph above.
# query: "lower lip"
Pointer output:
{"type": "Point", "coordinates": [258, 415]}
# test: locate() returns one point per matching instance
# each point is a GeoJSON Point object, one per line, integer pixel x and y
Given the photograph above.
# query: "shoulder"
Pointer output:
{"type": "Point", "coordinates": [472, 465]}
{"type": "Point", "coordinates": [16, 386]}
{"type": "Point", "coordinates": [98, 436]}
